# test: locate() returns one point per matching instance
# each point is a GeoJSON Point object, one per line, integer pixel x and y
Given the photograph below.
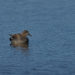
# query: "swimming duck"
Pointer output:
{"type": "Point", "coordinates": [20, 39]}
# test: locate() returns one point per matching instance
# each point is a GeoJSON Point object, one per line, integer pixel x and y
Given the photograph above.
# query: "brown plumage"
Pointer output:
{"type": "Point", "coordinates": [20, 39]}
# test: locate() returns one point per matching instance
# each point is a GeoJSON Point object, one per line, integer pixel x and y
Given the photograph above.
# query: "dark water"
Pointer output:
{"type": "Point", "coordinates": [52, 45]}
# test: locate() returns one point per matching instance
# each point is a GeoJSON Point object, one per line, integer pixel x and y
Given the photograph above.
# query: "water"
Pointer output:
{"type": "Point", "coordinates": [52, 45]}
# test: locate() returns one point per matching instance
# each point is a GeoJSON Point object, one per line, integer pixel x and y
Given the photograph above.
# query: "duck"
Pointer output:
{"type": "Point", "coordinates": [20, 39]}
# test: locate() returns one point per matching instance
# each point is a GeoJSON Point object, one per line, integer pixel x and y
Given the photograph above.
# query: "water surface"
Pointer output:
{"type": "Point", "coordinates": [52, 45]}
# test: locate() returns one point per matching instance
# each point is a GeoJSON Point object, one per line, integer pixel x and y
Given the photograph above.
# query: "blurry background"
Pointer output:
{"type": "Point", "coordinates": [52, 45]}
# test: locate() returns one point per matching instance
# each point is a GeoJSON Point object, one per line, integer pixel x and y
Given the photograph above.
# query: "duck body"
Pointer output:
{"type": "Point", "coordinates": [19, 40]}
{"type": "Point", "coordinates": [20, 43]}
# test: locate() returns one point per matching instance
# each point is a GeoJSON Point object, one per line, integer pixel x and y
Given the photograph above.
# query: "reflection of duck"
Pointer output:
{"type": "Point", "coordinates": [20, 39]}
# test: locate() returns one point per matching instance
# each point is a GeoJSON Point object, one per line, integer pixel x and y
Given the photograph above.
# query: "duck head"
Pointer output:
{"type": "Point", "coordinates": [25, 33]}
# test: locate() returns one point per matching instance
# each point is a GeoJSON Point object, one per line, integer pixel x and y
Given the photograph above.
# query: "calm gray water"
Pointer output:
{"type": "Point", "coordinates": [52, 45]}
